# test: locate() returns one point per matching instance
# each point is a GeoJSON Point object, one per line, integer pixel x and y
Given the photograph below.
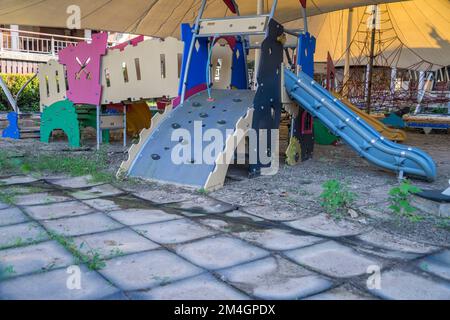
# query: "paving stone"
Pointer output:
{"type": "Point", "coordinates": [53, 286]}
{"type": "Point", "coordinates": [148, 269]}
{"type": "Point", "coordinates": [163, 197]}
{"type": "Point", "coordinates": [202, 287]}
{"type": "Point", "coordinates": [58, 210]}
{"type": "Point", "coordinates": [103, 190]}
{"type": "Point", "coordinates": [225, 224]}
{"type": "Point", "coordinates": [438, 264]}
{"type": "Point", "coordinates": [278, 239]}
{"type": "Point", "coordinates": [275, 213]}
{"type": "Point", "coordinates": [133, 217]}
{"type": "Point", "coordinates": [75, 182]}
{"type": "Point", "coordinates": [81, 225]}
{"type": "Point", "coordinates": [102, 204]}
{"type": "Point", "coordinates": [402, 285]}
{"type": "Point", "coordinates": [39, 198]}
{"type": "Point", "coordinates": [344, 292]}
{"type": "Point", "coordinates": [11, 216]}
{"type": "Point", "coordinates": [275, 278]}
{"type": "Point", "coordinates": [3, 205]}
{"type": "Point", "coordinates": [20, 234]}
{"type": "Point", "coordinates": [175, 231]}
{"type": "Point", "coordinates": [118, 296]}
{"type": "Point", "coordinates": [393, 242]}
{"type": "Point", "coordinates": [35, 258]}
{"type": "Point", "coordinates": [17, 180]}
{"type": "Point", "coordinates": [114, 243]}
{"type": "Point", "coordinates": [333, 259]}
{"type": "Point", "coordinates": [325, 226]}
{"type": "Point", "coordinates": [203, 205]}
{"type": "Point", "coordinates": [234, 221]}
{"type": "Point", "coordinates": [220, 252]}
{"type": "Point", "coordinates": [243, 216]}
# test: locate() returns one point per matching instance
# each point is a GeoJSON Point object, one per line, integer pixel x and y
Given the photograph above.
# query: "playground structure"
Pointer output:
{"type": "Point", "coordinates": [206, 78]}
{"type": "Point", "coordinates": [116, 81]}
{"type": "Point", "coordinates": [304, 99]}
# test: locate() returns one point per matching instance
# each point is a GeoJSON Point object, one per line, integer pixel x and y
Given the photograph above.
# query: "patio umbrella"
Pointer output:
{"type": "Point", "coordinates": [159, 18]}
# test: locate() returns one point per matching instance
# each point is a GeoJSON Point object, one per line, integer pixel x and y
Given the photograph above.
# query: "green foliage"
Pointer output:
{"type": "Point", "coordinates": [29, 98]}
{"type": "Point", "coordinates": [336, 199]}
{"type": "Point", "coordinates": [399, 198]}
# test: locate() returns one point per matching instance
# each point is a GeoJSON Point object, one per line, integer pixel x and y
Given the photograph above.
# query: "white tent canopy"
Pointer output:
{"type": "Point", "coordinates": [159, 18]}
{"type": "Point", "coordinates": [412, 34]}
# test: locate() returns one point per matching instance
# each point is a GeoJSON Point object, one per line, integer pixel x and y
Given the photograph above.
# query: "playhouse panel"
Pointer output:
{"type": "Point", "coordinates": [149, 69]}
{"type": "Point", "coordinates": [52, 83]}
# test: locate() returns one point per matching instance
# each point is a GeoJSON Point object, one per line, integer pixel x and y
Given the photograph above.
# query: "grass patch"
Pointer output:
{"type": "Point", "coordinates": [7, 196]}
{"type": "Point", "coordinates": [92, 258]}
{"type": "Point", "coordinates": [74, 165]}
{"type": "Point", "coordinates": [202, 191]}
{"type": "Point", "coordinates": [6, 272]}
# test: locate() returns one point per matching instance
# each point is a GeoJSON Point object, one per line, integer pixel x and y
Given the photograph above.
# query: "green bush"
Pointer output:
{"type": "Point", "coordinates": [29, 98]}
{"type": "Point", "coordinates": [336, 199]}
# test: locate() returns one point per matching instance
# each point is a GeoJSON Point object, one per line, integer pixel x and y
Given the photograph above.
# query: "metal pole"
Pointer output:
{"type": "Point", "coordinates": [9, 95]}
{"type": "Point", "coordinates": [191, 49]}
{"type": "Point", "coordinates": [124, 125]}
{"type": "Point", "coordinates": [98, 128]}
{"type": "Point", "coordinates": [345, 88]}
{"type": "Point", "coordinates": [305, 20]}
{"type": "Point", "coordinates": [259, 11]}
{"type": "Point", "coordinates": [371, 59]}
{"type": "Point", "coordinates": [274, 8]}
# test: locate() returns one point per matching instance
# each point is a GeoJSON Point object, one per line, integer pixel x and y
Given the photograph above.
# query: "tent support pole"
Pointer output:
{"type": "Point", "coordinates": [371, 58]}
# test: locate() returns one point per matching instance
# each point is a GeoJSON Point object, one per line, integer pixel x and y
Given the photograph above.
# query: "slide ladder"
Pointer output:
{"type": "Point", "coordinates": [356, 132]}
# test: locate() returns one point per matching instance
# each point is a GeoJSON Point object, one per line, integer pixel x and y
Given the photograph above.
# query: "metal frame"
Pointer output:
{"type": "Point", "coordinates": [196, 35]}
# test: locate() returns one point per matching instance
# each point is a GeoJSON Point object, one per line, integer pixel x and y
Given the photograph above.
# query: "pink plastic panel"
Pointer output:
{"type": "Point", "coordinates": [132, 42]}
{"type": "Point", "coordinates": [83, 69]}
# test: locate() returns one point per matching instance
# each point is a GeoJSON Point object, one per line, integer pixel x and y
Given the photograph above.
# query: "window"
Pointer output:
{"type": "Point", "coordinates": [125, 72]}
{"type": "Point", "coordinates": [162, 59]}
{"type": "Point", "coordinates": [107, 77]}
{"type": "Point", "coordinates": [138, 68]}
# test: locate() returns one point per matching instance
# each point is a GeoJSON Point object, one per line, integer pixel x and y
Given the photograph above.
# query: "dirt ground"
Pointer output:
{"type": "Point", "coordinates": [293, 193]}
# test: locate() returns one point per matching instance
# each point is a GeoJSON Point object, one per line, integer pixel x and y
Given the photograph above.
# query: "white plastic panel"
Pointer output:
{"type": "Point", "coordinates": [52, 83]}
{"type": "Point", "coordinates": [233, 26]}
{"type": "Point", "coordinates": [150, 69]}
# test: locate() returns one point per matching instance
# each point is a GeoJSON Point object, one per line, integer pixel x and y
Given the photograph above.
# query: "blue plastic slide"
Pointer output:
{"type": "Point", "coordinates": [359, 135]}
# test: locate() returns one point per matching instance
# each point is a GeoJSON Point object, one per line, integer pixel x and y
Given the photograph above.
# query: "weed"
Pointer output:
{"type": "Point", "coordinates": [443, 223]}
{"type": "Point", "coordinates": [7, 196]}
{"type": "Point", "coordinates": [336, 199]}
{"type": "Point", "coordinates": [92, 258]}
{"type": "Point", "coordinates": [116, 252]}
{"type": "Point", "coordinates": [399, 199]}
{"type": "Point", "coordinates": [202, 191]}
{"type": "Point", "coordinates": [7, 271]}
